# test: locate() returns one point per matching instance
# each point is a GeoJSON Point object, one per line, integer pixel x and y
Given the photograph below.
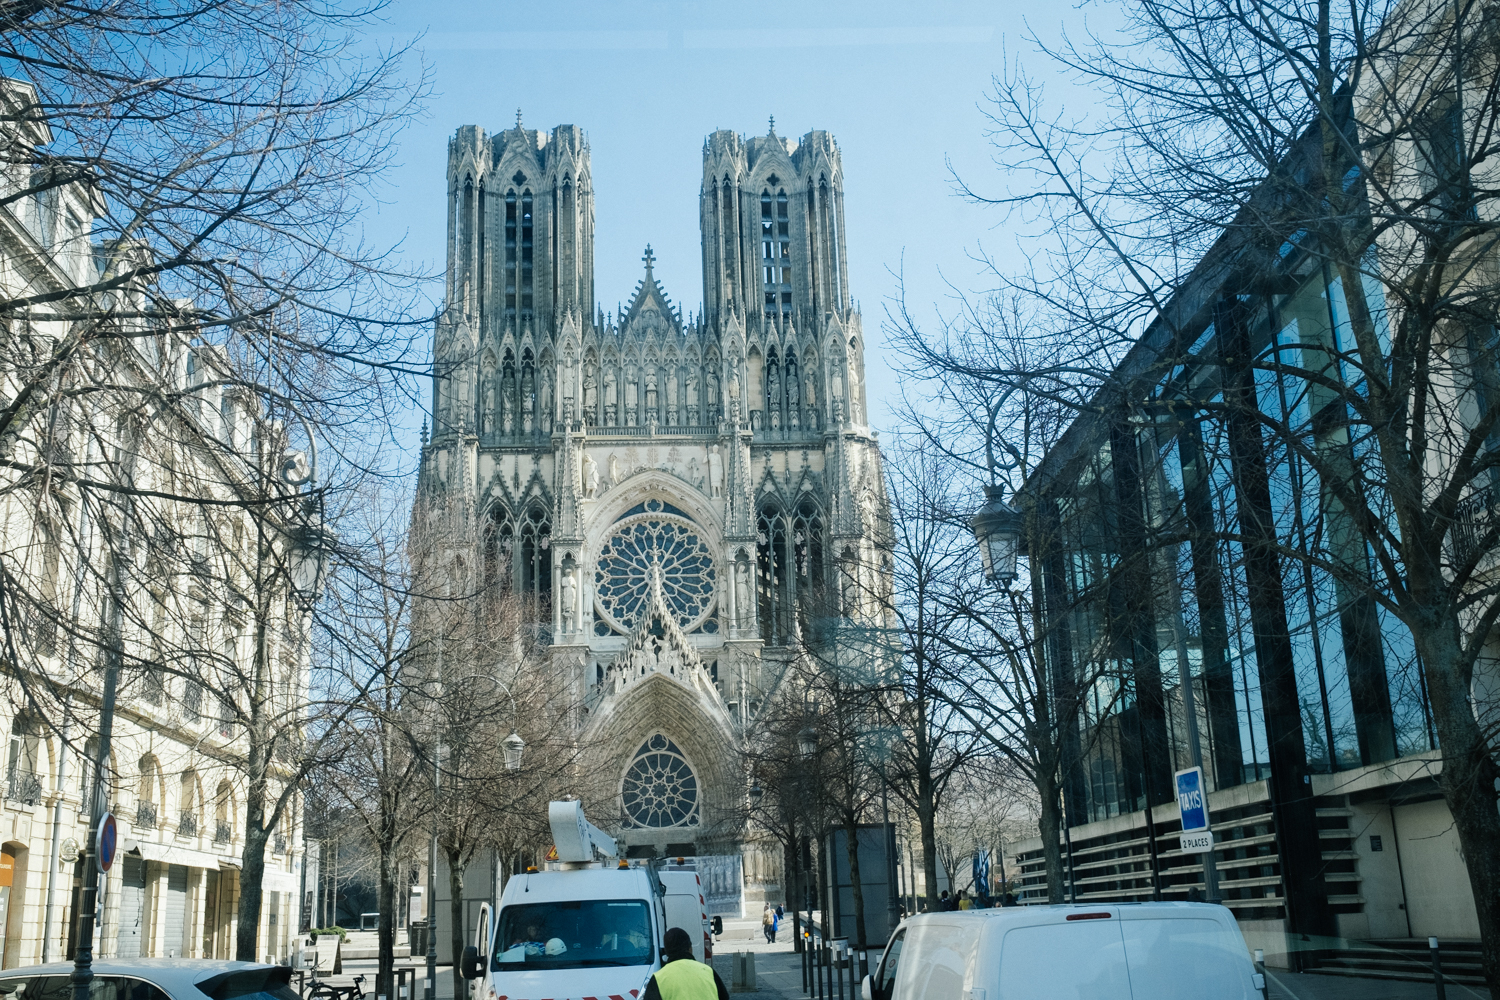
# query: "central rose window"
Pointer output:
{"type": "Point", "coordinates": [654, 540]}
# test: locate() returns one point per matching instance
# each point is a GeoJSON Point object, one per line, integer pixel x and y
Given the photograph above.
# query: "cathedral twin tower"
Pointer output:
{"type": "Point", "coordinates": [693, 501]}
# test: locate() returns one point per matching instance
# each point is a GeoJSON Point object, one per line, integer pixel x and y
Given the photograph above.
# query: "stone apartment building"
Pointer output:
{"type": "Point", "coordinates": [174, 783]}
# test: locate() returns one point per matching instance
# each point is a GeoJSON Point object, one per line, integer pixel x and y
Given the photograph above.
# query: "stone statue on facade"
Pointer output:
{"type": "Point", "coordinates": [590, 476]}
{"type": "Point", "coordinates": [742, 606]}
{"type": "Point", "coordinates": [715, 472]}
{"type": "Point", "coordinates": [569, 599]}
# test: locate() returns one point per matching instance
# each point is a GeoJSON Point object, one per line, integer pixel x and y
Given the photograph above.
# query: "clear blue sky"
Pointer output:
{"type": "Point", "coordinates": [897, 84]}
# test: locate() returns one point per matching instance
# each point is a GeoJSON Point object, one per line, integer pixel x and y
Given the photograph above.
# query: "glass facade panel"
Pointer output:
{"type": "Point", "coordinates": [1358, 688]}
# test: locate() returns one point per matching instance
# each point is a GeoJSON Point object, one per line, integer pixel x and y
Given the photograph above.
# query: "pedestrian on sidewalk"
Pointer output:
{"type": "Point", "coordinates": [768, 924]}
{"type": "Point", "coordinates": [775, 925]}
{"type": "Point", "coordinates": [684, 978]}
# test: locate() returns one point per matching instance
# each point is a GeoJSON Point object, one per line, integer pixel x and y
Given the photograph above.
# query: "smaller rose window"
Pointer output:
{"type": "Point", "coordinates": [660, 789]}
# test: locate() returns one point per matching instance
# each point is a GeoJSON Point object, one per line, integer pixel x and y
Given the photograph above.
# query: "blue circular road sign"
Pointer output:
{"type": "Point", "coordinates": [105, 842]}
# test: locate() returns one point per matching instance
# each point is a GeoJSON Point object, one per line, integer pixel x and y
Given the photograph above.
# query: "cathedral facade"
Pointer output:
{"type": "Point", "coordinates": [687, 497]}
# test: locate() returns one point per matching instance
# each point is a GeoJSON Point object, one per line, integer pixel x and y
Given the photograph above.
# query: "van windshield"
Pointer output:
{"type": "Point", "coordinates": [573, 934]}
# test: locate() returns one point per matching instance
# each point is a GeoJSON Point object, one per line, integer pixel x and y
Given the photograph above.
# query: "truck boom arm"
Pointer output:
{"type": "Point", "coordinates": [576, 838]}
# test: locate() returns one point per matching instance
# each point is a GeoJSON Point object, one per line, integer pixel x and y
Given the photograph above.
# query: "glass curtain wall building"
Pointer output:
{"type": "Point", "coordinates": [1158, 534]}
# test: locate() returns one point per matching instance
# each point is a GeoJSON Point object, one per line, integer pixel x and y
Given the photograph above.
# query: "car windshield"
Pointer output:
{"type": "Point", "coordinates": [573, 934]}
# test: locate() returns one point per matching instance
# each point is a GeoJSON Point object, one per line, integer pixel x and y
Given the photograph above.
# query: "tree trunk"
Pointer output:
{"type": "Point", "coordinates": [385, 973]}
{"type": "Point", "coordinates": [252, 868]}
{"type": "Point", "coordinates": [927, 821]}
{"type": "Point", "coordinates": [1470, 780]}
{"type": "Point", "coordinates": [456, 921]}
{"type": "Point", "coordinates": [851, 844]}
{"type": "Point", "coordinates": [1050, 827]}
{"type": "Point", "coordinates": [794, 887]}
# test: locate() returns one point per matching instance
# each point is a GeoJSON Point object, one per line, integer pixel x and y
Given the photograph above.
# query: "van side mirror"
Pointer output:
{"type": "Point", "coordinates": [718, 924]}
{"type": "Point", "coordinates": [866, 989]}
{"type": "Point", "coordinates": [472, 967]}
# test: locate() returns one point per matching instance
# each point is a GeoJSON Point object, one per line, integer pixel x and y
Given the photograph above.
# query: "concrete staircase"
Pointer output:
{"type": "Point", "coordinates": [1406, 959]}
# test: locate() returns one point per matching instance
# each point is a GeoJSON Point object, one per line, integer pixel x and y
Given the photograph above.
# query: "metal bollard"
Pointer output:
{"type": "Point", "coordinates": [838, 969]}
{"type": "Point", "coordinates": [806, 970]}
{"type": "Point", "coordinates": [1437, 969]}
{"type": "Point", "coordinates": [1260, 970]}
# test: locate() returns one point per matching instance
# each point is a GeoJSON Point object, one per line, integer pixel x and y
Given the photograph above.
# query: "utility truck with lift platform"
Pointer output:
{"type": "Point", "coordinates": [590, 926]}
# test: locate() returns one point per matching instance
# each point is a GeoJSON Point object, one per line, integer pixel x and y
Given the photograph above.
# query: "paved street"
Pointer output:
{"type": "Point", "coordinates": [779, 974]}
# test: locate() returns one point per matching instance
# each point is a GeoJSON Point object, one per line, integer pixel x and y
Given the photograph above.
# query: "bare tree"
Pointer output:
{"type": "Point", "coordinates": [1253, 147]}
{"type": "Point", "coordinates": [193, 279]}
{"type": "Point", "coordinates": [378, 770]}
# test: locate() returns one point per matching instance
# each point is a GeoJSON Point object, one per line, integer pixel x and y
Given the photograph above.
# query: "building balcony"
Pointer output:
{"type": "Point", "coordinates": [145, 815]}
{"type": "Point", "coordinates": [1472, 520]}
{"type": "Point", "coordinates": [23, 786]}
{"type": "Point", "coordinates": [278, 844]}
{"type": "Point", "coordinates": [188, 825]}
{"type": "Point", "coordinates": [222, 833]}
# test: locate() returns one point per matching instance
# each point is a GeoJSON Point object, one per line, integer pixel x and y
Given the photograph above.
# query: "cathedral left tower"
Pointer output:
{"type": "Point", "coordinates": [520, 272]}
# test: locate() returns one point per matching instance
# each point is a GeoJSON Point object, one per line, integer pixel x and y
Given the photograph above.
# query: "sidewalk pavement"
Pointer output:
{"type": "Point", "coordinates": [1310, 986]}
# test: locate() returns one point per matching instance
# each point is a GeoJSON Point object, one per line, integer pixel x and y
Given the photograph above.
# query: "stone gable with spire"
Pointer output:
{"type": "Point", "coordinates": [692, 496]}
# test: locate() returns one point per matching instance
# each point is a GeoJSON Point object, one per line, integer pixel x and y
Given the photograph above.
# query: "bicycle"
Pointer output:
{"type": "Point", "coordinates": [327, 991]}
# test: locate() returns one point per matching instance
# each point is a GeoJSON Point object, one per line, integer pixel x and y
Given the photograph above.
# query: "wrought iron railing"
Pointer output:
{"type": "Point", "coordinates": [23, 786]}
{"type": "Point", "coordinates": [1473, 519]}
{"type": "Point", "coordinates": [192, 701]}
{"type": "Point", "coordinates": [222, 833]}
{"type": "Point", "coordinates": [145, 815]}
{"type": "Point", "coordinates": [188, 825]}
{"type": "Point", "coordinates": [278, 844]}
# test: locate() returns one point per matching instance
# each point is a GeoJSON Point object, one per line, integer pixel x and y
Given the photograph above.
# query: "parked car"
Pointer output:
{"type": "Point", "coordinates": [153, 979]}
{"type": "Point", "coordinates": [1144, 951]}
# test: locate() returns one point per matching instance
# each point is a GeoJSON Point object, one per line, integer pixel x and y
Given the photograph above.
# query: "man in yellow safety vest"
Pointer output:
{"type": "Point", "coordinates": [682, 978]}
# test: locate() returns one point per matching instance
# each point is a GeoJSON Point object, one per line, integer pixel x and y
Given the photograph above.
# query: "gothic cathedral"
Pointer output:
{"type": "Point", "coordinates": [688, 497]}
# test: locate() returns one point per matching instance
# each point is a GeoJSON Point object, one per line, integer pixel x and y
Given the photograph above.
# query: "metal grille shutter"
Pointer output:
{"type": "Point", "coordinates": [132, 905]}
{"type": "Point", "coordinates": [176, 913]}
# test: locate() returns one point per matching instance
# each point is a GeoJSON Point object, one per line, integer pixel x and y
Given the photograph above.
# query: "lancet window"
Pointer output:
{"type": "Point", "coordinates": [791, 574]}
{"type": "Point", "coordinates": [511, 253]}
{"type": "Point", "coordinates": [728, 238]}
{"type": "Point", "coordinates": [518, 550]}
{"type": "Point", "coordinates": [776, 251]}
{"type": "Point", "coordinates": [483, 258]}
{"type": "Point", "coordinates": [526, 256]}
{"type": "Point", "coordinates": [466, 234]}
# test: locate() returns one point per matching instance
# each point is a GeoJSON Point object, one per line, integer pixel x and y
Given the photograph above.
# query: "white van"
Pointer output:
{"type": "Point", "coordinates": [1130, 951]}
